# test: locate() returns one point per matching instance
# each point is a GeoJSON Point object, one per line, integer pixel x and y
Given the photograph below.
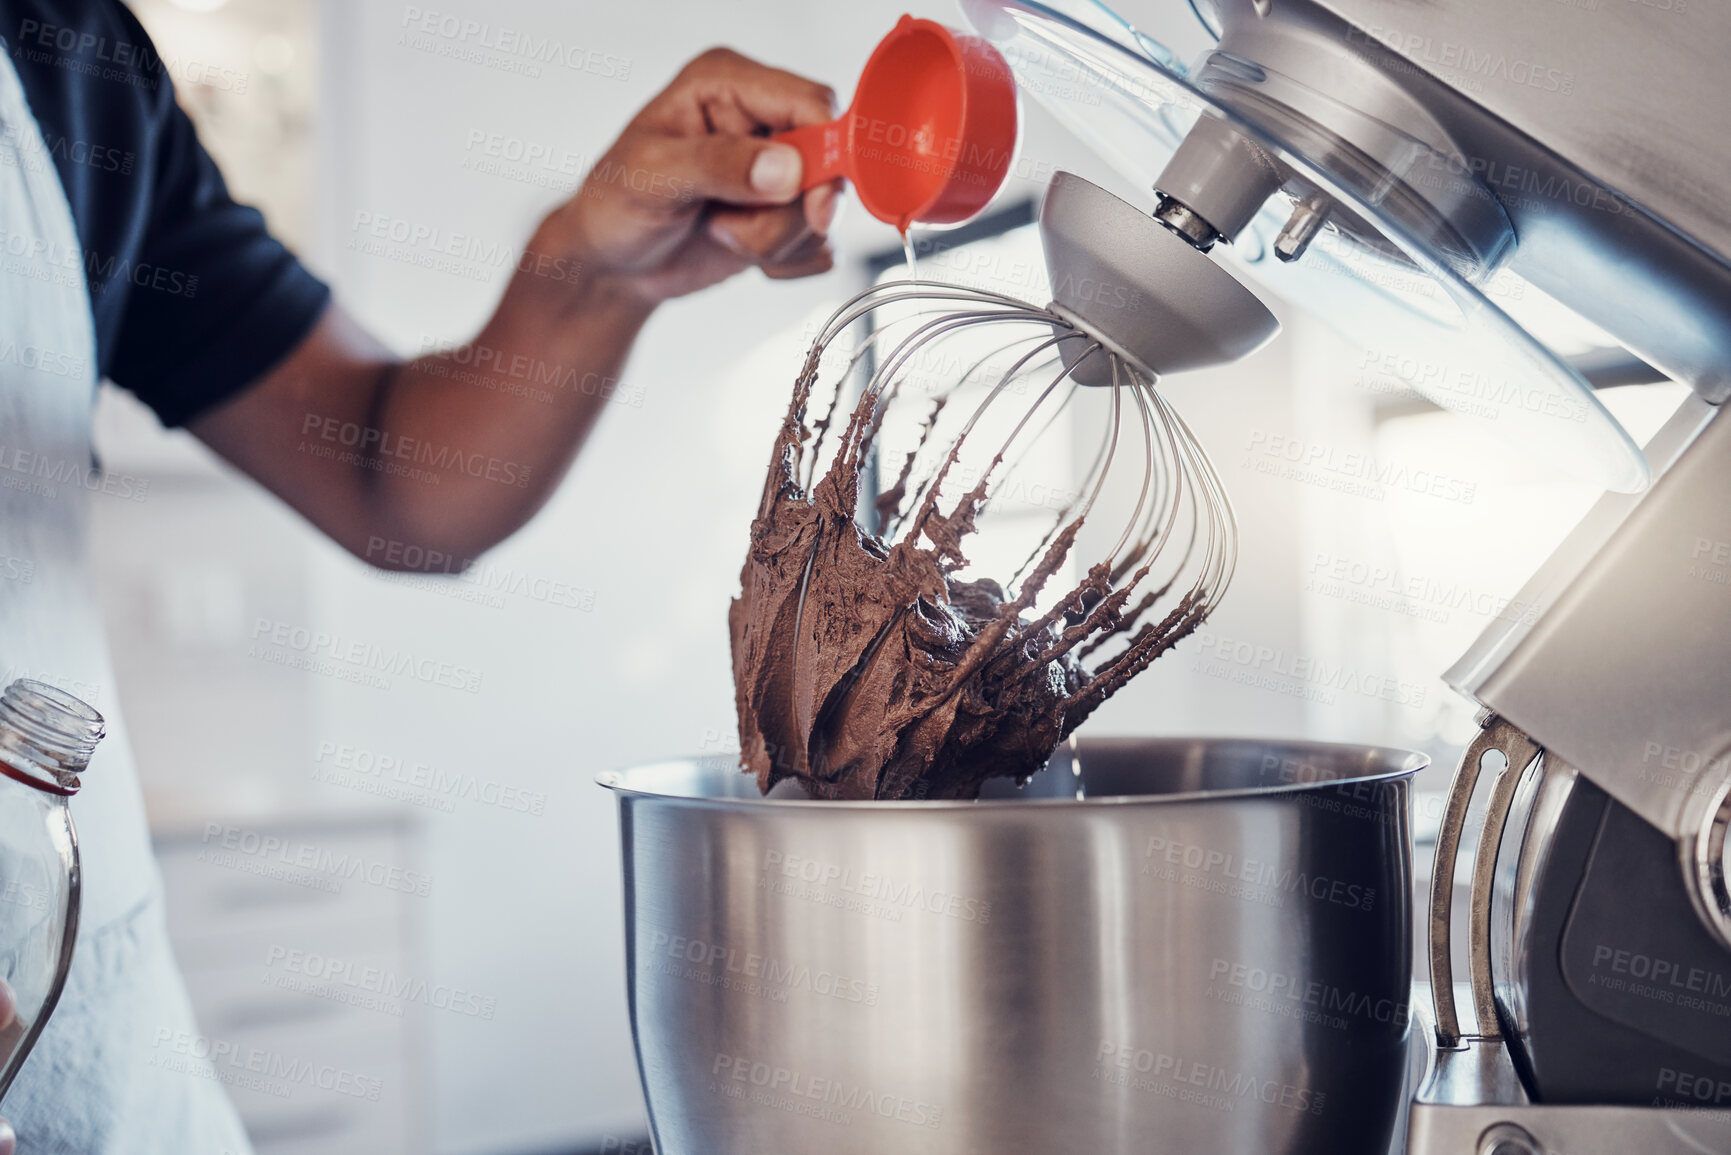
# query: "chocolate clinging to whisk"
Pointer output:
{"type": "Point", "coordinates": [865, 667]}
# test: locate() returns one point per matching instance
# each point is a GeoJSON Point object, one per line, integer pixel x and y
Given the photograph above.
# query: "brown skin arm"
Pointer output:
{"type": "Point", "coordinates": [425, 464]}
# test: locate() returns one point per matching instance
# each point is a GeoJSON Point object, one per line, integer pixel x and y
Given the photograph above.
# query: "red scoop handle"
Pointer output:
{"type": "Point", "coordinates": [823, 149]}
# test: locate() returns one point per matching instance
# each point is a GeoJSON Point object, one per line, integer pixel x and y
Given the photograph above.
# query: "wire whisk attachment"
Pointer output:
{"type": "Point", "coordinates": [872, 659]}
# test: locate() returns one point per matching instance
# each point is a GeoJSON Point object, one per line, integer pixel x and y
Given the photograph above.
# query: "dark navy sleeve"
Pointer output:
{"type": "Point", "coordinates": [192, 297]}
{"type": "Point", "coordinates": [244, 302]}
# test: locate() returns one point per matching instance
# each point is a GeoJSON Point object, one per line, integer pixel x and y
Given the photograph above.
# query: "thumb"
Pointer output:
{"type": "Point", "coordinates": [776, 171]}
{"type": "Point", "coordinates": [734, 169]}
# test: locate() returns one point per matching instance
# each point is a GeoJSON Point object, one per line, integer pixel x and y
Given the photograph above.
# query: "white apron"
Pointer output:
{"type": "Point", "coordinates": [97, 1082]}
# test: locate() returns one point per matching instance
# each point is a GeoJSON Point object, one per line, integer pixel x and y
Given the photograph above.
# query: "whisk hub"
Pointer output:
{"type": "Point", "coordinates": [1143, 290]}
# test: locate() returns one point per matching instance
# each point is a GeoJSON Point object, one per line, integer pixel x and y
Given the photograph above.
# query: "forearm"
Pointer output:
{"type": "Point", "coordinates": [468, 444]}
{"type": "Point", "coordinates": [426, 464]}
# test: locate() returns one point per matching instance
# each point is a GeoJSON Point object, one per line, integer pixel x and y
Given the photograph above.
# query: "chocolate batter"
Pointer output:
{"type": "Point", "coordinates": [891, 678]}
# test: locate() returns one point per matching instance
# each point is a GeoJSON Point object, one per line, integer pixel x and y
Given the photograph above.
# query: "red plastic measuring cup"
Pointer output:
{"type": "Point", "coordinates": [931, 132]}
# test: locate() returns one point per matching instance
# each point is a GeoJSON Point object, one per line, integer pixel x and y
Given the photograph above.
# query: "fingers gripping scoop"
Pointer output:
{"type": "Point", "coordinates": [1142, 290]}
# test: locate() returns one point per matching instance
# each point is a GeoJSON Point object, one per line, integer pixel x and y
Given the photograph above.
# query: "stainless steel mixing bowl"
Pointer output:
{"type": "Point", "coordinates": [1209, 954]}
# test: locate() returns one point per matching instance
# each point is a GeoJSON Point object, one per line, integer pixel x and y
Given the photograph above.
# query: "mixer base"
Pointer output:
{"type": "Point", "coordinates": [1473, 1102]}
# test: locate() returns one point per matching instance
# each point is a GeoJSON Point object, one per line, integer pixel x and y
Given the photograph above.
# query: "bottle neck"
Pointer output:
{"type": "Point", "coordinates": [46, 736]}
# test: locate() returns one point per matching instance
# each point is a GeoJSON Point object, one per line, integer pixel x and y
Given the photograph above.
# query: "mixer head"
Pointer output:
{"type": "Point", "coordinates": [1297, 155]}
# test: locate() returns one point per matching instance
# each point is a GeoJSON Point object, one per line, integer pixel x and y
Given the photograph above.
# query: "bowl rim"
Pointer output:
{"type": "Point", "coordinates": [1403, 764]}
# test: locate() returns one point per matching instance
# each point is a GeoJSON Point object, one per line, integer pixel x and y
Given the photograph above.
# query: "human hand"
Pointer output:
{"type": "Point", "coordinates": [692, 192]}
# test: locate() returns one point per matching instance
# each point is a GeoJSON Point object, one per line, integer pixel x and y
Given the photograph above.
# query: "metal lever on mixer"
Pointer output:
{"type": "Point", "coordinates": [1518, 753]}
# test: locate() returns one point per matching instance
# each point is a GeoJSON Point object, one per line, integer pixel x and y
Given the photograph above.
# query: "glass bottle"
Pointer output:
{"type": "Point", "coordinates": [46, 738]}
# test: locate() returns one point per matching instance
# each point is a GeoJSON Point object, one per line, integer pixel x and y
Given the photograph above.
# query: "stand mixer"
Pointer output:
{"type": "Point", "coordinates": [1386, 163]}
